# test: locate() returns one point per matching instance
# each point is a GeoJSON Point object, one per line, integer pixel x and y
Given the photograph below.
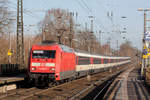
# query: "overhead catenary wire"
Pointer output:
{"type": "Point", "coordinates": [82, 4]}
{"type": "Point", "coordinates": [87, 9]}
{"type": "Point", "coordinates": [86, 6]}
{"type": "Point", "coordinates": [29, 13]}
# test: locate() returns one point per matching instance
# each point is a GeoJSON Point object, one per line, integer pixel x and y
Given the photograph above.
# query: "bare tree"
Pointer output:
{"type": "Point", "coordinates": [60, 22]}
{"type": "Point", "coordinates": [5, 17]}
{"type": "Point", "coordinates": [126, 49]}
{"type": "Point", "coordinates": [56, 22]}
{"type": "Point", "coordinates": [5, 24]}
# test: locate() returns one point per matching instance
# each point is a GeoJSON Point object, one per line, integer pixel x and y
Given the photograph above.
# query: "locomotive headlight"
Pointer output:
{"type": "Point", "coordinates": [33, 69]}
{"type": "Point", "coordinates": [35, 64]}
{"type": "Point", "coordinates": [50, 64]}
{"type": "Point", "coordinates": [53, 69]}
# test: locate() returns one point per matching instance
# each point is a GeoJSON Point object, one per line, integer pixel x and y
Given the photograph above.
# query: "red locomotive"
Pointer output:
{"type": "Point", "coordinates": [51, 63]}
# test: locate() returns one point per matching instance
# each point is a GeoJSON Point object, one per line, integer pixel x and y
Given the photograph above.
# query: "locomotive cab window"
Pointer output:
{"type": "Point", "coordinates": [44, 54]}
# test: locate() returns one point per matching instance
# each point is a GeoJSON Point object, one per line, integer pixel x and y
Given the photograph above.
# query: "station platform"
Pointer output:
{"type": "Point", "coordinates": [128, 86]}
{"type": "Point", "coordinates": [11, 79]}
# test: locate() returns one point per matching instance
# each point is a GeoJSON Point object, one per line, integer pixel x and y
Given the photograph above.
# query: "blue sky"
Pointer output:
{"type": "Point", "coordinates": [99, 9]}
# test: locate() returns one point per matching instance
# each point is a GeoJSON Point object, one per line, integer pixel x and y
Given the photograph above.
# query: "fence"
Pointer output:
{"type": "Point", "coordinates": [9, 69]}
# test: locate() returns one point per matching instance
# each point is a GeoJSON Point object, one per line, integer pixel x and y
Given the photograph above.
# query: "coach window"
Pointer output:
{"type": "Point", "coordinates": [112, 60]}
{"type": "Point", "coordinates": [105, 61]}
{"type": "Point", "coordinates": [97, 61]}
{"type": "Point", "coordinates": [76, 59]}
{"type": "Point", "coordinates": [83, 60]}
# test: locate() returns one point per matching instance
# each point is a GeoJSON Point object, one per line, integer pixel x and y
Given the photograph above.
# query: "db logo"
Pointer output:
{"type": "Point", "coordinates": [42, 64]}
{"type": "Point", "coordinates": [42, 68]}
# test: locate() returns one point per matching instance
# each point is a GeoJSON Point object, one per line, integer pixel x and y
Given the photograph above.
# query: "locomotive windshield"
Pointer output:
{"type": "Point", "coordinates": [43, 54]}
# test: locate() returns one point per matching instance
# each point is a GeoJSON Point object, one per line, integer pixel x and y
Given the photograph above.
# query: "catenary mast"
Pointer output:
{"type": "Point", "coordinates": [20, 36]}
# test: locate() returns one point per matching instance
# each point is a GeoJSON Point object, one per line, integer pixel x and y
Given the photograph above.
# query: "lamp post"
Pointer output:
{"type": "Point", "coordinates": [59, 34]}
{"type": "Point", "coordinates": [61, 29]}
{"type": "Point", "coordinates": [91, 31]}
{"type": "Point", "coordinates": [10, 44]}
{"type": "Point", "coordinates": [145, 19]}
{"type": "Point", "coordinates": [71, 28]}
{"type": "Point", "coordinates": [29, 34]}
{"type": "Point", "coordinates": [144, 61]}
{"type": "Point", "coordinates": [124, 29]}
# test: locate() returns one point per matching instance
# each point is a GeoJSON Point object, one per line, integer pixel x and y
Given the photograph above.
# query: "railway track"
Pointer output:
{"type": "Point", "coordinates": [70, 90]}
{"type": "Point", "coordinates": [104, 90]}
{"type": "Point", "coordinates": [17, 92]}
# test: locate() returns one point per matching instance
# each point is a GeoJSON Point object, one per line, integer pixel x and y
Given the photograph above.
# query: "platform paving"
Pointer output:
{"type": "Point", "coordinates": [128, 86]}
{"type": "Point", "coordinates": [10, 79]}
